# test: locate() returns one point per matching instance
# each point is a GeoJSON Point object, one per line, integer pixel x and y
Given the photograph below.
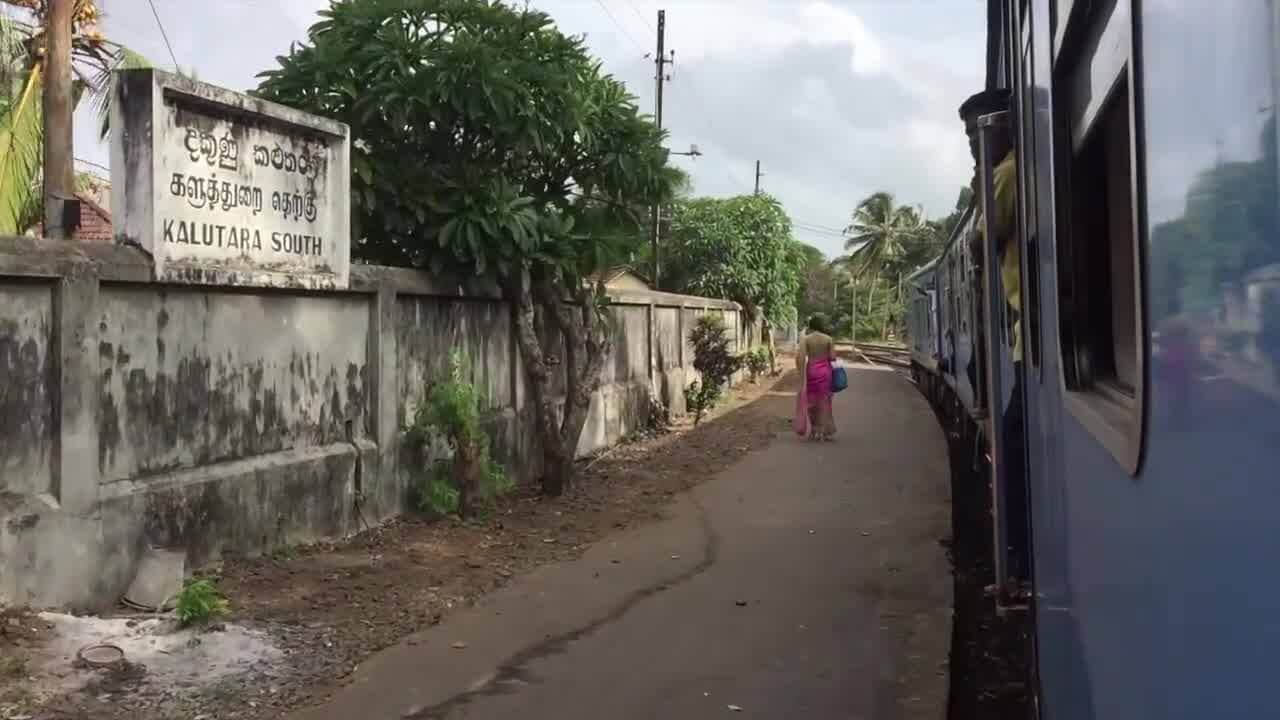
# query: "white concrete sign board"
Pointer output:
{"type": "Point", "coordinates": [224, 188]}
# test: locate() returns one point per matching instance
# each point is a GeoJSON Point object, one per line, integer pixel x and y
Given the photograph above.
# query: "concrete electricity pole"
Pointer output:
{"type": "Point", "coordinates": [660, 62]}
{"type": "Point", "coordinates": [758, 174]}
{"type": "Point", "coordinates": [59, 175]}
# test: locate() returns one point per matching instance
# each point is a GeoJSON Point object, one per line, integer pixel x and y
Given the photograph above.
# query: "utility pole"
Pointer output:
{"type": "Point", "coordinates": [660, 62]}
{"type": "Point", "coordinates": [758, 177]}
{"type": "Point", "coordinates": [59, 178]}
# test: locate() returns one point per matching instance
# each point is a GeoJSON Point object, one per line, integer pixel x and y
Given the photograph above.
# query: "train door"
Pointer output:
{"type": "Point", "coordinates": [1029, 33]}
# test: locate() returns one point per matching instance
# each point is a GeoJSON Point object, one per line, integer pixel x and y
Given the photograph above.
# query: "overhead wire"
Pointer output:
{"type": "Point", "coordinates": [163, 34]}
{"type": "Point", "coordinates": [640, 15]}
{"type": "Point", "coordinates": [620, 26]}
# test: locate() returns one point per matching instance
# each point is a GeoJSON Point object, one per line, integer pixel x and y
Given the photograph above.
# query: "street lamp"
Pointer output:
{"type": "Point", "coordinates": [694, 152]}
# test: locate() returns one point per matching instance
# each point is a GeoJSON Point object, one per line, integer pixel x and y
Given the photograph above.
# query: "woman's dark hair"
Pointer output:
{"type": "Point", "coordinates": [818, 323]}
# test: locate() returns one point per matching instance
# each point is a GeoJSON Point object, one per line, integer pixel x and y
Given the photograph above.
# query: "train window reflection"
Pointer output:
{"type": "Point", "coordinates": [1100, 318]}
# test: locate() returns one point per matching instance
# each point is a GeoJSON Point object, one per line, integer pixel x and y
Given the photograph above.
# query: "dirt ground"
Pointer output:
{"type": "Point", "coordinates": [990, 653]}
{"type": "Point", "coordinates": [21, 632]}
{"type": "Point", "coordinates": [330, 606]}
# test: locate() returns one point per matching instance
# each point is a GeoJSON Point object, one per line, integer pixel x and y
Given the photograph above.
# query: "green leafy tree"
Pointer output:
{"type": "Point", "coordinates": [817, 285]}
{"type": "Point", "coordinates": [22, 71]}
{"type": "Point", "coordinates": [485, 142]}
{"type": "Point", "coordinates": [738, 248]}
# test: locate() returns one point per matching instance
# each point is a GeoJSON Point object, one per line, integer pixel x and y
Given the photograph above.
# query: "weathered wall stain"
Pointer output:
{"type": "Point", "coordinates": [430, 329]}
{"type": "Point", "coordinates": [203, 377]}
{"type": "Point", "coordinates": [28, 383]}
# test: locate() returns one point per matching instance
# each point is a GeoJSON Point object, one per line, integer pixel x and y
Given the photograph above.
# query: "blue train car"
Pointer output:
{"type": "Point", "coordinates": [922, 319]}
{"type": "Point", "coordinates": [1145, 138]}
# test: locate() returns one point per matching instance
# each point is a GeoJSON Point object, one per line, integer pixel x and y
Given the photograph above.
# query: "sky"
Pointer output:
{"type": "Point", "coordinates": [836, 99]}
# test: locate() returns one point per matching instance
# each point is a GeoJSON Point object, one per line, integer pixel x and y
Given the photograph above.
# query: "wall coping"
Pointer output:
{"type": "Point", "coordinates": [39, 258]}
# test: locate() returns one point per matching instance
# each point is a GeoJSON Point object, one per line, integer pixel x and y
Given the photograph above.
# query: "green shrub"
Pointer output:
{"type": "Point", "coordinates": [757, 362]}
{"type": "Point", "coordinates": [452, 413]}
{"type": "Point", "coordinates": [435, 493]}
{"type": "Point", "coordinates": [199, 602]}
{"type": "Point", "coordinates": [713, 361]}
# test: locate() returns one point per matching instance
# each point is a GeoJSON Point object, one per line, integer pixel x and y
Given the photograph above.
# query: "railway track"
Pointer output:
{"type": "Point", "coordinates": [877, 354]}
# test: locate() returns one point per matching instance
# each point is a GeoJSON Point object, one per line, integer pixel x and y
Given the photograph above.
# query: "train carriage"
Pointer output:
{"type": "Point", "coordinates": [1145, 138]}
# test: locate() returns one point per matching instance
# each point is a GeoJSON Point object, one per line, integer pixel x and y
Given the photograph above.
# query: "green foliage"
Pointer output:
{"type": "Point", "coordinates": [452, 412]}
{"type": "Point", "coordinates": [817, 280]}
{"type": "Point", "coordinates": [21, 154]}
{"type": "Point", "coordinates": [739, 248]}
{"type": "Point", "coordinates": [757, 362]}
{"type": "Point", "coordinates": [699, 398]}
{"type": "Point", "coordinates": [200, 601]}
{"type": "Point", "coordinates": [479, 128]}
{"type": "Point", "coordinates": [713, 361]}
{"type": "Point", "coordinates": [435, 493]}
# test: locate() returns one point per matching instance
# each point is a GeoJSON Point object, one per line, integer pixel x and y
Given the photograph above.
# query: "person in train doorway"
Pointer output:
{"type": "Point", "coordinates": [1005, 188]}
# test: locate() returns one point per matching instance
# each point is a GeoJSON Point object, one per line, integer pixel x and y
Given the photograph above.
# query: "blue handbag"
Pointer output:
{"type": "Point", "coordinates": [839, 378]}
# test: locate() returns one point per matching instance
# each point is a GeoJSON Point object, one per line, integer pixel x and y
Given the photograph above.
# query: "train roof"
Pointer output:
{"type": "Point", "coordinates": [925, 271]}
{"type": "Point", "coordinates": [922, 273]}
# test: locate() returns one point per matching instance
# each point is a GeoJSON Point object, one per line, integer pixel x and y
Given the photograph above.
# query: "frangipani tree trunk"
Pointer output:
{"type": "Point", "coordinates": [541, 305]}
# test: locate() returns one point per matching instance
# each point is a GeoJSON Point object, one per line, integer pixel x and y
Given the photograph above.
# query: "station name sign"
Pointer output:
{"type": "Point", "coordinates": [224, 188]}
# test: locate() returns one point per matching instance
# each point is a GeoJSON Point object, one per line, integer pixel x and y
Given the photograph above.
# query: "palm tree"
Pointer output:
{"type": "Point", "coordinates": [22, 70]}
{"type": "Point", "coordinates": [880, 235]}
{"type": "Point", "coordinates": [881, 231]}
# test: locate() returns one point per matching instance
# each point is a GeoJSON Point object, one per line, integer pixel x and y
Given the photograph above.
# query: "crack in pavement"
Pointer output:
{"type": "Point", "coordinates": [513, 672]}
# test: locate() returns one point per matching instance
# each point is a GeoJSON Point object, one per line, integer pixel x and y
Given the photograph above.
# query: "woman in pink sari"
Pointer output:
{"type": "Point", "coordinates": [815, 361]}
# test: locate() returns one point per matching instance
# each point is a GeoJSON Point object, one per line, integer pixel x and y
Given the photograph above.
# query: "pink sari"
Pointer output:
{"type": "Point", "coordinates": [818, 390]}
{"type": "Point", "coordinates": [813, 401]}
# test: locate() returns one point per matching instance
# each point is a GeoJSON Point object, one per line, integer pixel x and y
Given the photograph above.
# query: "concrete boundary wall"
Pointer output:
{"type": "Point", "coordinates": [238, 420]}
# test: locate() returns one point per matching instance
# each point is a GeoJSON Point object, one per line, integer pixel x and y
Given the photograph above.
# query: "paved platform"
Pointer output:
{"type": "Point", "coordinates": [805, 582]}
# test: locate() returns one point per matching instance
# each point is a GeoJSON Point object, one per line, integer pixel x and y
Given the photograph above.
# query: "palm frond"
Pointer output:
{"type": "Point", "coordinates": [21, 148]}
{"type": "Point", "coordinates": [13, 58]}
{"type": "Point", "coordinates": [100, 88]}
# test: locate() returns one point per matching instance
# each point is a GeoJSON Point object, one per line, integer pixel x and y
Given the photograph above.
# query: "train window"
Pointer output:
{"type": "Point", "coordinates": [1099, 272]}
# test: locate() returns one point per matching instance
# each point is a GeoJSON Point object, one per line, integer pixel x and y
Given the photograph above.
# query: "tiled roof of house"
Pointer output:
{"type": "Point", "coordinates": [95, 221]}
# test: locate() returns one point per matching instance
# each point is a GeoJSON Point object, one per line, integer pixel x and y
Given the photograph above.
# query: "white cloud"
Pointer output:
{"type": "Point", "coordinates": [827, 23]}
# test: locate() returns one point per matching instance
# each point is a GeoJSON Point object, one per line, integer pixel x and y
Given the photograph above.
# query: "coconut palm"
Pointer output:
{"type": "Point", "coordinates": [881, 232]}
{"type": "Point", "coordinates": [22, 71]}
{"type": "Point", "coordinates": [880, 238]}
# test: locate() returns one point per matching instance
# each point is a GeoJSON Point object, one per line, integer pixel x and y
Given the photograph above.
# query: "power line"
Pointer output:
{"type": "Point", "coordinates": [93, 164]}
{"type": "Point", "coordinates": [639, 14]}
{"type": "Point", "coordinates": [163, 34]}
{"type": "Point", "coordinates": [820, 233]}
{"type": "Point", "coordinates": [816, 228]}
{"type": "Point", "coordinates": [619, 25]}
{"type": "Point", "coordinates": [820, 226]}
